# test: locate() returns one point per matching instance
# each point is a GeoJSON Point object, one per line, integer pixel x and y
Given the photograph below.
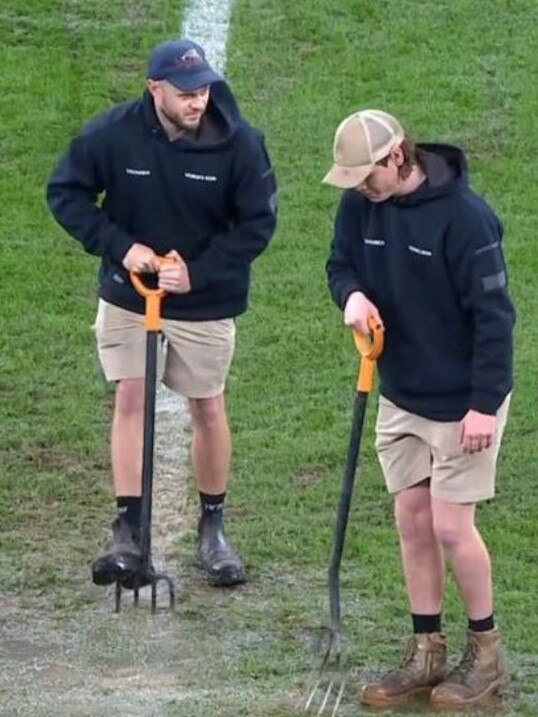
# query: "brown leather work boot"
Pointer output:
{"type": "Point", "coordinates": [480, 673]}
{"type": "Point", "coordinates": [423, 667]}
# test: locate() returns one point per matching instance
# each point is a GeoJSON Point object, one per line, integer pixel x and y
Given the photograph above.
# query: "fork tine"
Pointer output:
{"type": "Point", "coordinates": [326, 697]}
{"type": "Point", "coordinates": [327, 693]}
{"type": "Point", "coordinates": [339, 696]}
{"type": "Point", "coordinates": [328, 681]}
{"type": "Point", "coordinates": [317, 675]}
{"type": "Point", "coordinates": [311, 695]}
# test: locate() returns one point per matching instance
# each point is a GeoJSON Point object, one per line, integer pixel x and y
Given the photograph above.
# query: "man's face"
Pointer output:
{"type": "Point", "coordinates": [384, 181]}
{"type": "Point", "coordinates": [182, 108]}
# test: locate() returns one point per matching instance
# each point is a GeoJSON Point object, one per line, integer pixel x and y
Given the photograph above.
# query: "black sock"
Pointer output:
{"type": "Point", "coordinates": [487, 623]}
{"type": "Point", "coordinates": [212, 503]}
{"type": "Point", "coordinates": [130, 507]}
{"type": "Point", "coordinates": [426, 623]}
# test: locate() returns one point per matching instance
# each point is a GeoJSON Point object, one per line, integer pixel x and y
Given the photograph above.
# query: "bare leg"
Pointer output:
{"type": "Point", "coordinates": [211, 444]}
{"type": "Point", "coordinates": [455, 529]}
{"type": "Point", "coordinates": [127, 437]}
{"type": "Point", "coordinates": [422, 555]}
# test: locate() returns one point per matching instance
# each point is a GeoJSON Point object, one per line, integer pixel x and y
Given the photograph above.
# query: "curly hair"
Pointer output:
{"type": "Point", "coordinates": [409, 150]}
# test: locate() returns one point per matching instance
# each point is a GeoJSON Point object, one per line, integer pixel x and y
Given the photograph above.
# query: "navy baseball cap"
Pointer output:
{"type": "Point", "coordinates": [182, 63]}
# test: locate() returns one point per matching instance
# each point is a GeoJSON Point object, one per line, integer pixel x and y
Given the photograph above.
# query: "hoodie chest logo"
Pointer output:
{"type": "Point", "coordinates": [137, 172]}
{"type": "Point", "coordinates": [201, 177]}
{"type": "Point", "coordinates": [374, 242]}
{"type": "Point", "coordinates": [419, 251]}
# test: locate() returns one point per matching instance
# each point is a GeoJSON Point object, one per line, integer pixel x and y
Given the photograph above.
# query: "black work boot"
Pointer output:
{"type": "Point", "coordinates": [123, 561]}
{"type": "Point", "coordinates": [141, 578]}
{"type": "Point", "coordinates": [215, 556]}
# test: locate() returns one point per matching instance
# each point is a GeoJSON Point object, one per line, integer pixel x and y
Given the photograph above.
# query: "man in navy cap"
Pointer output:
{"type": "Point", "coordinates": [183, 175]}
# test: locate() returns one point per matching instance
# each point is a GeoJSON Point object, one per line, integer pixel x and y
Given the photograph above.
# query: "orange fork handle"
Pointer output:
{"type": "Point", "coordinates": [370, 347]}
{"type": "Point", "coordinates": [152, 321]}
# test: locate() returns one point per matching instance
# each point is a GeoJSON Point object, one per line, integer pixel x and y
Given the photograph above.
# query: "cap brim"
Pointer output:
{"type": "Point", "coordinates": [347, 177]}
{"type": "Point", "coordinates": [194, 81]}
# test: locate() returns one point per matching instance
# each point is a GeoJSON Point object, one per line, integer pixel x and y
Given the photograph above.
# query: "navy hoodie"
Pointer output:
{"type": "Point", "coordinates": [432, 262]}
{"type": "Point", "coordinates": [210, 197]}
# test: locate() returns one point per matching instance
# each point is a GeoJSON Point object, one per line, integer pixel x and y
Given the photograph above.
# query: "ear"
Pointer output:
{"type": "Point", "coordinates": [397, 156]}
{"type": "Point", "coordinates": [153, 87]}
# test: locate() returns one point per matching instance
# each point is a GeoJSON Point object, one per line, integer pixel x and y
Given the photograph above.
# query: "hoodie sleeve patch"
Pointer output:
{"type": "Point", "coordinates": [494, 281]}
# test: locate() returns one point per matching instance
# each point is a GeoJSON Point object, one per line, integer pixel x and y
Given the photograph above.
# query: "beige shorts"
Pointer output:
{"type": "Point", "coordinates": [194, 357]}
{"type": "Point", "coordinates": [412, 448]}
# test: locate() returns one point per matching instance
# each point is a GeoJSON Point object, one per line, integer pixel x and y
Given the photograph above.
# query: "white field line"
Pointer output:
{"type": "Point", "coordinates": [208, 23]}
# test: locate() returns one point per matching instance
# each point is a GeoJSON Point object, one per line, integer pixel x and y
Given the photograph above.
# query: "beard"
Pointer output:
{"type": "Point", "coordinates": [182, 124]}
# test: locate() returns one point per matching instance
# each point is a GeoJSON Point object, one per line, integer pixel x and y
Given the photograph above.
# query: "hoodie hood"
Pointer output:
{"type": "Point", "coordinates": [218, 124]}
{"type": "Point", "coordinates": [445, 167]}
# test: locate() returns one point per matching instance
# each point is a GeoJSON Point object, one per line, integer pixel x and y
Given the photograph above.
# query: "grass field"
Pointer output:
{"type": "Point", "coordinates": [456, 70]}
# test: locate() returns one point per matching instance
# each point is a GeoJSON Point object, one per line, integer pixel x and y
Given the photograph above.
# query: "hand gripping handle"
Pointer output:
{"type": "Point", "coordinates": [370, 347]}
{"type": "Point", "coordinates": [153, 297]}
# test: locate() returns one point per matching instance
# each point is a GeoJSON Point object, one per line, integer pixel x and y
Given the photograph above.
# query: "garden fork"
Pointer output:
{"type": "Point", "coordinates": [329, 680]}
{"type": "Point", "coordinates": [152, 324]}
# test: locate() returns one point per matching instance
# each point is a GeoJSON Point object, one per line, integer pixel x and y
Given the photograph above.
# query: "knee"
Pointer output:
{"type": "Point", "coordinates": [207, 412]}
{"type": "Point", "coordinates": [130, 396]}
{"type": "Point", "coordinates": [447, 532]}
{"type": "Point", "coordinates": [414, 522]}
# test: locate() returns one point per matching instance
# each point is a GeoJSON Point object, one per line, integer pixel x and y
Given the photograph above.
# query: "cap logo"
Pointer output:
{"type": "Point", "coordinates": [189, 59]}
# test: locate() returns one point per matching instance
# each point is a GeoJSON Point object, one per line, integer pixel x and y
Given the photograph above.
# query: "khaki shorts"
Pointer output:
{"type": "Point", "coordinates": [194, 359]}
{"type": "Point", "coordinates": [412, 448]}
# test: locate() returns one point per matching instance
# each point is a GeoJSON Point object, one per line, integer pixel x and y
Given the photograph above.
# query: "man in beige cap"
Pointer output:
{"type": "Point", "coordinates": [417, 248]}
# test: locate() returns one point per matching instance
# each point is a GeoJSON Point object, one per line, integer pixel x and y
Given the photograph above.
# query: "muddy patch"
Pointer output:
{"type": "Point", "coordinates": [92, 661]}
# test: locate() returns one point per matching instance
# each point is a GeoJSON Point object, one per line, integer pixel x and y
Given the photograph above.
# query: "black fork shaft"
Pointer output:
{"type": "Point", "coordinates": [344, 505]}
{"type": "Point", "coordinates": [152, 338]}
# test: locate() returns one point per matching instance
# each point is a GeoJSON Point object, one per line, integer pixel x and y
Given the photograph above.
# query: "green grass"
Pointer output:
{"type": "Point", "coordinates": [456, 71]}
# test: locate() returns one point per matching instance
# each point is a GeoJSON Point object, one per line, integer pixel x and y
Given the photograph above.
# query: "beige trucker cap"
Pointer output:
{"type": "Point", "coordinates": [361, 140]}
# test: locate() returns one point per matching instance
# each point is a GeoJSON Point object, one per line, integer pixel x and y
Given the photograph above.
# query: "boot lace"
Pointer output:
{"type": "Point", "coordinates": [467, 662]}
{"type": "Point", "coordinates": [410, 655]}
